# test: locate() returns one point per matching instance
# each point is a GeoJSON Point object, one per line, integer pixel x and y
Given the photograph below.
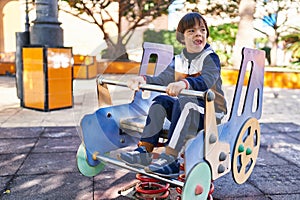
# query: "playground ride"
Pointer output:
{"type": "Point", "coordinates": [214, 152]}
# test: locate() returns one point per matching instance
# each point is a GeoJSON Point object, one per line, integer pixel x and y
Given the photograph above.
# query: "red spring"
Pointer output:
{"type": "Point", "coordinates": [181, 178]}
{"type": "Point", "coordinates": [178, 198]}
{"type": "Point", "coordinates": [152, 190]}
{"type": "Point", "coordinates": [149, 188]}
{"type": "Point", "coordinates": [144, 178]}
{"type": "Point", "coordinates": [181, 166]}
{"type": "Point", "coordinates": [179, 189]}
{"type": "Point", "coordinates": [212, 189]}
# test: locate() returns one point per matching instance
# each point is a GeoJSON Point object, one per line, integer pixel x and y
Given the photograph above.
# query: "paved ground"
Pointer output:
{"type": "Point", "coordinates": [38, 150]}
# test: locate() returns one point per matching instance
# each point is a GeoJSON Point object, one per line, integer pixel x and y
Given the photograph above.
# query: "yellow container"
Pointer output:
{"type": "Point", "coordinates": [47, 78]}
{"type": "Point", "coordinates": [7, 68]}
{"type": "Point", "coordinates": [85, 67]}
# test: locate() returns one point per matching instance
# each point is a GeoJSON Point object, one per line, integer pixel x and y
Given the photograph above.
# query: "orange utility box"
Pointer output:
{"type": "Point", "coordinates": [7, 68]}
{"type": "Point", "coordinates": [47, 78]}
{"type": "Point", "coordinates": [85, 67]}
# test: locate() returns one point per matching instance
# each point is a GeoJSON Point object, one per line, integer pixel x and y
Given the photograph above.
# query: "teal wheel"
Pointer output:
{"type": "Point", "coordinates": [83, 165]}
{"type": "Point", "coordinates": [197, 184]}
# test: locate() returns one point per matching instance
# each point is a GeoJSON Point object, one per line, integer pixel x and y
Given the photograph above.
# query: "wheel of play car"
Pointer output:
{"type": "Point", "coordinates": [246, 151]}
{"type": "Point", "coordinates": [197, 184]}
{"type": "Point", "coordinates": [83, 165]}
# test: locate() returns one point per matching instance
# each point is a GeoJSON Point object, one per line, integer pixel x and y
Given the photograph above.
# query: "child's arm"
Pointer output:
{"type": "Point", "coordinates": [133, 83]}
{"type": "Point", "coordinates": [210, 74]}
{"type": "Point", "coordinates": [164, 78]}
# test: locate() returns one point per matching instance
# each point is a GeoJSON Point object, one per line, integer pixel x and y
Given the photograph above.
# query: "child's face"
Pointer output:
{"type": "Point", "coordinates": [195, 38]}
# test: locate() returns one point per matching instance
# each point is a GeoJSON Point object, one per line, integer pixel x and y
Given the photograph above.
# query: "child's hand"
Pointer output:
{"type": "Point", "coordinates": [134, 82]}
{"type": "Point", "coordinates": [173, 89]}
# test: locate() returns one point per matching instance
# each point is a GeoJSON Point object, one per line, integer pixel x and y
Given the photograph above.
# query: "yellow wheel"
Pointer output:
{"type": "Point", "coordinates": [83, 165]}
{"type": "Point", "coordinates": [246, 151]}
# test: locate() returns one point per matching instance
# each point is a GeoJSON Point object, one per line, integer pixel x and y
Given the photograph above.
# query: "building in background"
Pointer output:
{"type": "Point", "coordinates": [83, 37]}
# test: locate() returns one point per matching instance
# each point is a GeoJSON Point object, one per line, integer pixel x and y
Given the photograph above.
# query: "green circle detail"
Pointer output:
{"type": "Point", "coordinates": [83, 166]}
{"type": "Point", "coordinates": [241, 148]}
{"type": "Point", "coordinates": [248, 151]}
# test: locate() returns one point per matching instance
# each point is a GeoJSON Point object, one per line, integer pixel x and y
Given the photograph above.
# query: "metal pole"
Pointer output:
{"type": "Point", "coordinates": [27, 25]}
{"type": "Point", "coordinates": [26, 17]}
{"type": "Point", "coordinates": [22, 39]}
{"type": "Point", "coordinates": [157, 88]}
{"type": "Point", "coordinates": [46, 28]}
{"type": "Point", "coordinates": [139, 170]}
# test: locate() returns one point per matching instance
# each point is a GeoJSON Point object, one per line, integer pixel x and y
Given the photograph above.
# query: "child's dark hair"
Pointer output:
{"type": "Point", "coordinates": [189, 21]}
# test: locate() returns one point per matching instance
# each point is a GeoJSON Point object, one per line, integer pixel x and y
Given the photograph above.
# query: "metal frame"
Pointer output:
{"type": "Point", "coordinates": [216, 146]}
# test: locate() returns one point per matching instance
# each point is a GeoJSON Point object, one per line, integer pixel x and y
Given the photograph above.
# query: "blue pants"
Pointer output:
{"type": "Point", "coordinates": [186, 115]}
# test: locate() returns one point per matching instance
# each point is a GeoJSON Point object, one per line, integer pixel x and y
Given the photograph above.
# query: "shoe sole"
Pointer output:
{"type": "Point", "coordinates": [162, 175]}
{"type": "Point", "coordinates": [136, 165]}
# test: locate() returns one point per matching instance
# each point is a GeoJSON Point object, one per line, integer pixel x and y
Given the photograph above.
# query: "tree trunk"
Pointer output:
{"type": "Point", "coordinates": [245, 35]}
{"type": "Point", "coordinates": [274, 41]}
{"type": "Point", "coordinates": [115, 52]}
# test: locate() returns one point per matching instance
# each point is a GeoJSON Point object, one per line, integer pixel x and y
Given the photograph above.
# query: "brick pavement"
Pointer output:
{"type": "Point", "coordinates": [38, 150]}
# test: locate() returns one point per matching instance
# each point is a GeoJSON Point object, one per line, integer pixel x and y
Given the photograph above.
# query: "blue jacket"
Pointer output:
{"type": "Point", "coordinates": [203, 72]}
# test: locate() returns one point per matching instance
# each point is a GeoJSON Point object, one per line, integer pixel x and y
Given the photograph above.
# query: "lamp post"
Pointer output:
{"type": "Point", "coordinates": [22, 39]}
{"type": "Point", "coordinates": [27, 25]}
{"type": "Point", "coordinates": [46, 28]}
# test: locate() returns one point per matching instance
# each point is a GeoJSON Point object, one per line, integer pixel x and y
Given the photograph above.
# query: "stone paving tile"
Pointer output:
{"type": "Point", "coordinates": [7, 112]}
{"type": "Point", "coordinates": [295, 135]}
{"type": "Point", "coordinates": [4, 180]}
{"type": "Point", "coordinates": [110, 180]}
{"type": "Point", "coordinates": [289, 152]}
{"type": "Point", "coordinates": [21, 132]}
{"type": "Point", "coordinates": [62, 131]}
{"type": "Point", "coordinates": [275, 140]}
{"type": "Point", "coordinates": [17, 145]}
{"type": "Point", "coordinates": [10, 163]}
{"type": "Point", "coordinates": [285, 146]}
{"type": "Point", "coordinates": [280, 127]}
{"type": "Point", "coordinates": [225, 187]}
{"type": "Point", "coordinates": [42, 158]}
{"type": "Point", "coordinates": [42, 163]}
{"type": "Point", "coordinates": [50, 186]}
{"type": "Point", "coordinates": [285, 197]}
{"type": "Point", "coordinates": [266, 158]}
{"type": "Point", "coordinates": [274, 179]}
{"type": "Point", "coordinates": [66, 144]}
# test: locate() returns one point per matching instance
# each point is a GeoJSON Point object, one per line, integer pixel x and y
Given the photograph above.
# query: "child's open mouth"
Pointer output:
{"type": "Point", "coordinates": [197, 42]}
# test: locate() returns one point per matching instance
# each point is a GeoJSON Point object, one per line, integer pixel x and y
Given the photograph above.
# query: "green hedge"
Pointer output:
{"type": "Point", "coordinates": [224, 34]}
{"type": "Point", "coordinates": [163, 37]}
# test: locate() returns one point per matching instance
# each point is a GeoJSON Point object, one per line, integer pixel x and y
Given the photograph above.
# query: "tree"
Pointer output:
{"type": "Point", "coordinates": [245, 36]}
{"type": "Point", "coordinates": [219, 8]}
{"type": "Point", "coordinates": [241, 11]}
{"type": "Point", "coordinates": [275, 15]}
{"type": "Point", "coordinates": [223, 36]}
{"type": "Point", "coordinates": [136, 13]}
{"type": "Point", "coordinates": [292, 41]}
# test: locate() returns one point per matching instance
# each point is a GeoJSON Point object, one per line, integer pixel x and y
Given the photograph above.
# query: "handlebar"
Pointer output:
{"type": "Point", "coordinates": [157, 88]}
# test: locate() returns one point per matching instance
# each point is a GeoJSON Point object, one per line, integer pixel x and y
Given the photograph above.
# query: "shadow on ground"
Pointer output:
{"type": "Point", "coordinates": [40, 163]}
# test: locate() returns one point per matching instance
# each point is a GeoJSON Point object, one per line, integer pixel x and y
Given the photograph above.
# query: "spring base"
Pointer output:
{"type": "Point", "coordinates": [149, 188]}
{"type": "Point", "coordinates": [181, 178]}
{"type": "Point", "coordinates": [179, 189]}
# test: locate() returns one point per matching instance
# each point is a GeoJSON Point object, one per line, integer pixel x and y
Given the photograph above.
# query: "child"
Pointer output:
{"type": "Point", "coordinates": [197, 68]}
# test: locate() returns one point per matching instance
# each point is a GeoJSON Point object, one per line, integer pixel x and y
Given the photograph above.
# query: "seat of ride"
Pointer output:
{"type": "Point", "coordinates": [135, 125]}
{"type": "Point", "coordinates": [216, 150]}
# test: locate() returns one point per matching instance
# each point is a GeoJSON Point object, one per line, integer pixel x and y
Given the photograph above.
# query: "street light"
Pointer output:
{"type": "Point", "coordinates": [26, 17]}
